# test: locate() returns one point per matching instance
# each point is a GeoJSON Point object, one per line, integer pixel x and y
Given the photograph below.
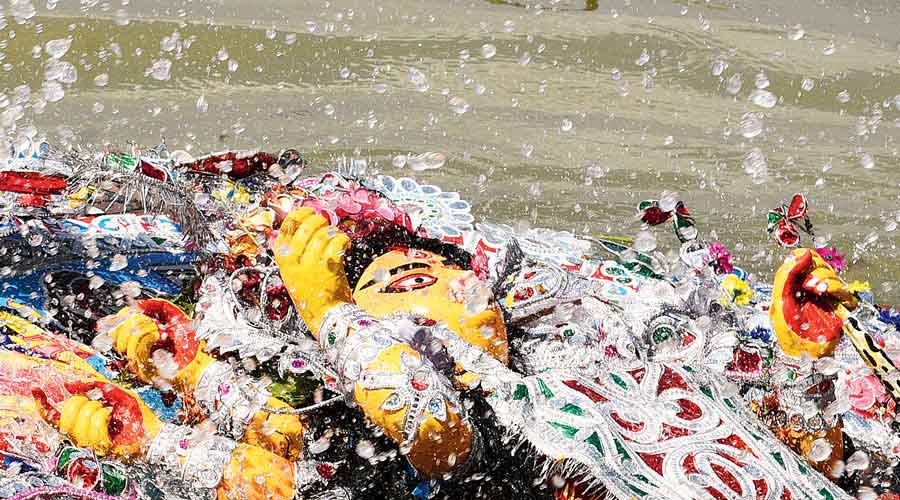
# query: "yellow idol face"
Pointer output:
{"type": "Point", "coordinates": [418, 282]}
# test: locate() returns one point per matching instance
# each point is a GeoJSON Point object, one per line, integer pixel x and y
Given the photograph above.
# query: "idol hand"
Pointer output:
{"type": "Point", "coordinates": [310, 257]}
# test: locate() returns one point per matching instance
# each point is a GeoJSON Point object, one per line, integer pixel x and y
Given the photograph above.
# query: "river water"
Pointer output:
{"type": "Point", "coordinates": [563, 114]}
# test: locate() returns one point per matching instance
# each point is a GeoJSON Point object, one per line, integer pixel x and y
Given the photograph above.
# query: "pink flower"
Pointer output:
{"type": "Point", "coordinates": [721, 258]}
{"type": "Point", "coordinates": [865, 392]}
{"type": "Point", "coordinates": [833, 257]}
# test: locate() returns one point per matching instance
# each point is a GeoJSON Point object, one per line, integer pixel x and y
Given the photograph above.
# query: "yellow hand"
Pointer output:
{"type": "Point", "coordinates": [86, 423]}
{"type": "Point", "coordinates": [134, 338]}
{"type": "Point", "coordinates": [310, 254]}
{"type": "Point", "coordinates": [116, 423]}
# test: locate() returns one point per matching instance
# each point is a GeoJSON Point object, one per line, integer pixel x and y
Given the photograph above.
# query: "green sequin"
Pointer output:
{"type": "Point", "coordinates": [521, 392]}
{"type": "Point", "coordinates": [594, 440]}
{"type": "Point", "coordinates": [544, 389]}
{"type": "Point", "coordinates": [618, 380]}
{"type": "Point", "coordinates": [567, 430]}
{"type": "Point", "coordinates": [573, 409]}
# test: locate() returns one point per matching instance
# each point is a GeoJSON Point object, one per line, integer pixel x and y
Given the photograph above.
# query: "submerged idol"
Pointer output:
{"type": "Point", "coordinates": [535, 363]}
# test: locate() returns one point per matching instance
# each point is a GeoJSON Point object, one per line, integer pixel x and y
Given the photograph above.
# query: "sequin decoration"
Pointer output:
{"type": "Point", "coordinates": [442, 214]}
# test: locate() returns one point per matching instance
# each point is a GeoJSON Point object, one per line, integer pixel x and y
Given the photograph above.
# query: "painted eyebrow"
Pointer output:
{"type": "Point", "coordinates": [399, 269]}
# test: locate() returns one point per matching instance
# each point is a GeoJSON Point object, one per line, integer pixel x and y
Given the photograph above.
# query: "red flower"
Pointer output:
{"type": "Point", "coordinates": [655, 216]}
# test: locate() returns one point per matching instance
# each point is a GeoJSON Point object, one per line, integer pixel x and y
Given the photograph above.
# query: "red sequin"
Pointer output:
{"type": "Point", "coordinates": [671, 379]}
{"type": "Point", "coordinates": [587, 391]}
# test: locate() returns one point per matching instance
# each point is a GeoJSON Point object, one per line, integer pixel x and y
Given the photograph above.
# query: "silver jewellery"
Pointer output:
{"type": "Point", "coordinates": [228, 398]}
{"type": "Point", "coordinates": [201, 459]}
{"type": "Point", "coordinates": [276, 327]}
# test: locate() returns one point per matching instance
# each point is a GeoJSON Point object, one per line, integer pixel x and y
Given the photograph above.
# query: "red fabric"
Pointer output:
{"type": "Point", "coordinates": [31, 183]}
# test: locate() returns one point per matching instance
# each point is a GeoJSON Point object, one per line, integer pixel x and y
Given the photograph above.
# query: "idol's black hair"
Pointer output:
{"type": "Point", "coordinates": [384, 237]}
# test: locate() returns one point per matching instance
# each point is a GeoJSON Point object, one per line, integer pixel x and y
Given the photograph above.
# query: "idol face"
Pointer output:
{"type": "Point", "coordinates": [419, 282]}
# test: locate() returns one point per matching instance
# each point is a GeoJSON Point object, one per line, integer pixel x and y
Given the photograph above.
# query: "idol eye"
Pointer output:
{"type": "Point", "coordinates": [409, 283]}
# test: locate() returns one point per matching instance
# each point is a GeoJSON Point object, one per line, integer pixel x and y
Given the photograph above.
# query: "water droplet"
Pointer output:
{"type": "Point", "coordinates": [458, 105]}
{"type": "Point", "coordinates": [859, 460]}
{"type": "Point", "coordinates": [807, 84]}
{"type": "Point", "coordinates": [508, 26]}
{"type": "Point", "coordinates": [843, 97]}
{"type": "Point", "coordinates": [525, 59]}
{"type": "Point", "coordinates": [755, 166]}
{"type": "Point", "coordinates": [796, 32]}
{"type": "Point", "coordinates": [118, 262]}
{"type": "Point", "coordinates": [669, 140]}
{"type": "Point", "coordinates": [527, 150]}
{"type": "Point", "coordinates": [751, 125]}
{"type": "Point", "coordinates": [58, 48]}
{"type": "Point", "coordinates": [644, 241]}
{"type": "Point", "coordinates": [101, 80]}
{"type": "Point", "coordinates": [703, 22]}
{"type": "Point", "coordinates": [291, 38]}
{"type": "Point", "coordinates": [98, 107]}
{"type": "Point", "coordinates": [222, 55]}
{"type": "Point", "coordinates": [480, 89]}
{"type": "Point", "coordinates": [271, 34]}
{"type": "Point", "coordinates": [122, 17]}
{"type": "Point", "coordinates": [102, 343]}
{"type": "Point", "coordinates": [161, 69]}
{"type": "Point", "coordinates": [365, 449]}
{"type": "Point", "coordinates": [718, 67]}
{"type": "Point", "coordinates": [819, 451]}
{"type": "Point", "coordinates": [52, 91]}
{"type": "Point", "coordinates": [615, 74]}
{"type": "Point", "coordinates": [169, 43]}
{"type": "Point", "coordinates": [319, 446]}
{"type": "Point", "coordinates": [566, 125]}
{"type": "Point", "coordinates": [488, 50]}
{"type": "Point", "coordinates": [344, 73]}
{"type": "Point", "coordinates": [763, 98]}
{"type": "Point", "coordinates": [22, 10]}
{"type": "Point", "coordinates": [202, 105]}
{"type": "Point", "coordinates": [668, 200]}
{"type": "Point", "coordinates": [761, 80]}
{"type": "Point", "coordinates": [829, 49]}
{"type": "Point", "coordinates": [734, 83]}
{"type": "Point", "coordinates": [866, 161]}
{"type": "Point", "coordinates": [643, 59]}
{"type": "Point", "coordinates": [232, 65]}
{"type": "Point", "coordinates": [61, 71]}
{"type": "Point", "coordinates": [399, 161]}
{"type": "Point", "coordinates": [380, 88]}
{"type": "Point", "coordinates": [419, 80]}
{"type": "Point", "coordinates": [426, 161]}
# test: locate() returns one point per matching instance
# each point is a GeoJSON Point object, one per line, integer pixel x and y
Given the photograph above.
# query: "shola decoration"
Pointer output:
{"type": "Point", "coordinates": [786, 221]}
